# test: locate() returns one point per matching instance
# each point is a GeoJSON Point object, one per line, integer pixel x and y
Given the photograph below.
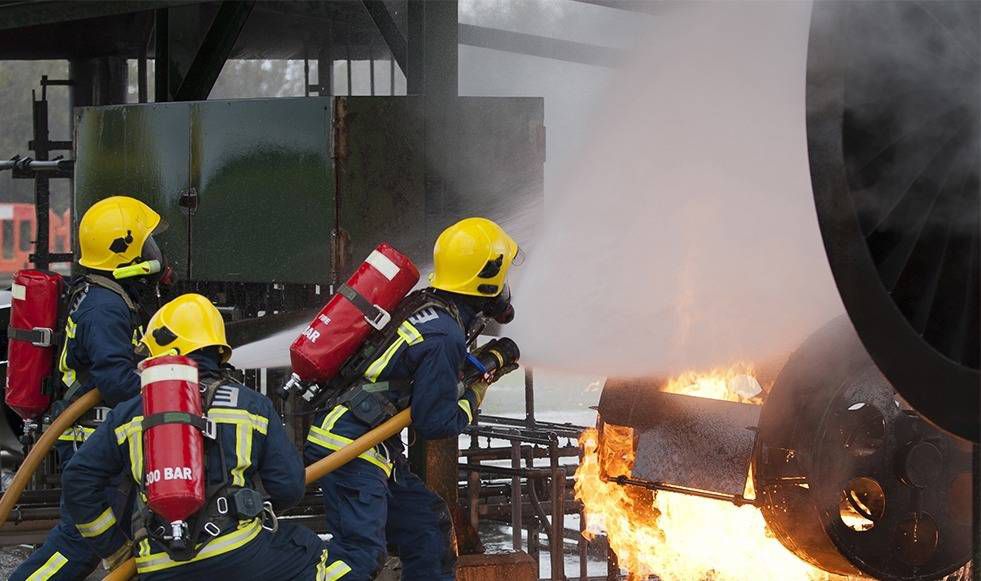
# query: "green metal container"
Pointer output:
{"type": "Point", "coordinates": [298, 191]}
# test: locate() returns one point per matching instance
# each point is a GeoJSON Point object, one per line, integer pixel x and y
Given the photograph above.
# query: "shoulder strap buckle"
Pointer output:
{"type": "Point", "coordinates": [381, 318]}
{"type": "Point", "coordinates": [210, 429]}
{"type": "Point", "coordinates": [376, 316]}
{"type": "Point", "coordinates": [100, 413]}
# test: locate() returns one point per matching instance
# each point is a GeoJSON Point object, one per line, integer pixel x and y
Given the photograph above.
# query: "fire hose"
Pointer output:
{"type": "Point", "coordinates": [41, 448]}
{"type": "Point", "coordinates": [499, 355]}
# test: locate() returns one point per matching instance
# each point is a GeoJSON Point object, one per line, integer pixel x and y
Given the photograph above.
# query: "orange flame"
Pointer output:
{"type": "Point", "coordinates": [675, 536]}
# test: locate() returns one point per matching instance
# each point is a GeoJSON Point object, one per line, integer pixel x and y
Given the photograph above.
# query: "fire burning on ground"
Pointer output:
{"type": "Point", "coordinates": [676, 536]}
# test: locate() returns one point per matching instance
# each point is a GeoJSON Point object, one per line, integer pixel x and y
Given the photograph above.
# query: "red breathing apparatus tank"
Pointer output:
{"type": "Point", "coordinates": [173, 442]}
{"type": "Point", "coordinates": [363, 303]}
{"type": "Point", "coordinates": [35, 298]}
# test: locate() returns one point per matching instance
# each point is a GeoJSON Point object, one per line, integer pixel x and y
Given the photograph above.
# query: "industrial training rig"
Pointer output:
{"type": "Point", "coordinates": [270, 201]}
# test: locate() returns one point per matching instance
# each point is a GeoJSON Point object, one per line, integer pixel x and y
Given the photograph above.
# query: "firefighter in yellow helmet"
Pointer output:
{"type": "Point", "coordinates": [376, 501]}
{"type": "Point", "coordinates": [232, 534]}
{"type": "Point", "coordinates": [121, 268]}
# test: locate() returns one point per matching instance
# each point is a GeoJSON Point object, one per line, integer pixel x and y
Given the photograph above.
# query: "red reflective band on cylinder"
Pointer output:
{"type": "Point", "coordinates": [173, 454]}
{"type": "Point", "coordinates": [35, 296]}
{"type": "Point", "coordinates": [383, 279]}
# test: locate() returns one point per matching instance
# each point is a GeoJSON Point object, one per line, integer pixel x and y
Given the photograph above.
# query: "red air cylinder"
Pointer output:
{"type": "Point", "coordinates": [173, 452]}
{"type": "Point", "coordinates": [382, 280]}
{"type": "Point", "coordinates": [35, 296]}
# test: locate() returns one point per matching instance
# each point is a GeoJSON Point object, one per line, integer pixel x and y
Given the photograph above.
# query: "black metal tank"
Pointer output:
{"type": "Point", "coordinates": [850, 478]}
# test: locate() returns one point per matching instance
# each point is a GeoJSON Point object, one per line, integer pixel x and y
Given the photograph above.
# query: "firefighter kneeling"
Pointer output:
{"type": "Point", "coordinates": [196, 443]}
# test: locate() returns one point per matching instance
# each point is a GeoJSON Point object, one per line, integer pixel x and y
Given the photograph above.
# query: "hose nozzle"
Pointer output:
{"type": "Point", "coordinates": [491, 357]}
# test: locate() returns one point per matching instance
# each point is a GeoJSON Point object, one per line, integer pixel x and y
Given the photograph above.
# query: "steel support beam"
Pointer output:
{"type": "Point", "coordinates": [98, 81]}
{"type": "Point", "coordinates": [215, 49]}
{"type": "Point", "coordinates": [540, 46]}
{"type": "Point", "coordinates": [382, 18]}
{"type": "Point", "coordinates": [189, 53]}
{"type": "Point", "coordinates": [161, 55]}
{"type": "Point", "coordinates": [415, 30]}
{"type": "Point", "coordinates": [24, 14]}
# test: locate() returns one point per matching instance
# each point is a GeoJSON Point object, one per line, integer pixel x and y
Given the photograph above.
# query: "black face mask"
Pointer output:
{"type": "Point", "coordinates": [151, 251]}
{"type": "Point", "coordinates": [499, 308]}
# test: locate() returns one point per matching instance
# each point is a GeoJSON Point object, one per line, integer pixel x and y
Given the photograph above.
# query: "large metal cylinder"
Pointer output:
{"type": "Point", "coordinates": [853, 480]}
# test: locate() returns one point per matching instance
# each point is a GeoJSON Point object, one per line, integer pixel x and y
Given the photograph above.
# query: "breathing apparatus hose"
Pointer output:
{"type": "Point", "coordinates": [41, 448]}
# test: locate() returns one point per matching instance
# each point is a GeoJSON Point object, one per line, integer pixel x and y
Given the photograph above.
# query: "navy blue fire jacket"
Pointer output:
{"type": "Point", "coordinates": [253, 442]}
{"type": "Point", "coordinates": [100, 335]}
{"type": "Point", "coordinates": [430, 350]}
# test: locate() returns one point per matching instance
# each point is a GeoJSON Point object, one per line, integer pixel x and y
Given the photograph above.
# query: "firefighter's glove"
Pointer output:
{"type": "Point", "coordinates": [121, 555]}
{"type": "Point", "coordinates": [499, 373]}
{"type": "Point", "coordinates": [480, 390]}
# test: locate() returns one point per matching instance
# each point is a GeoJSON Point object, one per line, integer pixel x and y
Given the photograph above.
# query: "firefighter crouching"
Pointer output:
{"type": "Point", "coordinates": [122, 268]}
{"type": "Point", "coordinates": [376, 500]}
{"type": "Point", "coordinates": [235, 530]}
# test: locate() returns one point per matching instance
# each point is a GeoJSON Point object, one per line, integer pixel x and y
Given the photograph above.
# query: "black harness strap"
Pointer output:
{"type": "Point", "coordinates": [161, 418]}
{"type": "Point", "coordinates": [109, 284]}
{"type": "Point", "coordinates": [42, 337]}
{"type": "Point", "coordinates": [370, 311]}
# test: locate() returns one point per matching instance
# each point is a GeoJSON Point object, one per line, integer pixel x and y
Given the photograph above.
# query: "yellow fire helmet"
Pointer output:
{"type": "Point", "coordinates": [186, 324]}
{"type": "Point", "coordinates": [112, 232]}
{"type": "Point", "coordinates": [472, 257]}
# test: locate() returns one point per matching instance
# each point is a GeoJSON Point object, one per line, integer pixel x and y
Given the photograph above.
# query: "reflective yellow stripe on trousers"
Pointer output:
{"type": "Point", "coordinates": [50, 567]}
{"type": "Point", "coordinates": [331, 572]}
{"type": "Point", "coordinates": [325, 438]}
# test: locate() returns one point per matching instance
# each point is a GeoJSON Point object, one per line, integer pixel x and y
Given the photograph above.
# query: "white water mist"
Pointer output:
{"type": "Point", "coordinates": [685, 235]}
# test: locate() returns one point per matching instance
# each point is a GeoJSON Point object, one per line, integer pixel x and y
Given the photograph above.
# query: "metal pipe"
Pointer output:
{"type": "Point", "coordinates": [558, 513]}
{"type": "Point", "coordinates": [35, 513]}
{"type": "Point", "coordinates": [582, 541]}
{"type": "Point", "coordinates": [350, 89]}
{"type": "Point", "coordinates": [141, 80]}
{"type": "Point", "coordinates": [530, 398]}
{"type": "Point", "coordinates": [371, 68]}
{"type": "Point", "coordinates": [737, 499]}
{"type": "Point", "coordinates": [306, 77]}
{"type": "Point", "coordinates": [28, 164]}
{"type": "Point", "coordinates": [42, 187]}
{"type": "Point", "coordinates": [506, 471]}
{"type": "Point", "coordinates": [516, 500]}
{"type": "Point", "coordinates": [473, 498]}
{"type": "Point", "coordinates": [569, 430]}
{"type": "Point", "coordinates": [612, 565]}
{"type": "Point", "coordinates": [509, 435]}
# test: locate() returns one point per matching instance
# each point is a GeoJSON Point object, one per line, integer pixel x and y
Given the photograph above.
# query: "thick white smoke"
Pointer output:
{"type": "Point", "coordinates": [684, 233]}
